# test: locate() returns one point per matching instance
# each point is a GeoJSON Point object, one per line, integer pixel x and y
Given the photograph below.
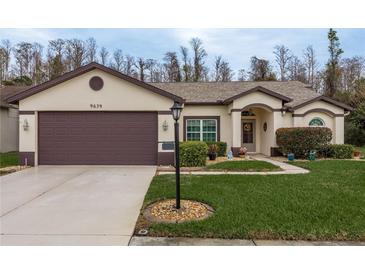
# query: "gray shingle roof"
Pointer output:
{"type": "Point", "coordinates": [203, 92]}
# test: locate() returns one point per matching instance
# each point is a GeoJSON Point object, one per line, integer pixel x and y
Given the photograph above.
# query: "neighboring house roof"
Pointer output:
{"type": "Point", "coordinates": [7, 91]}
{"type": "Point", "coordinates": [79, 71]}
{"type": "Point", "coordinates": [294, 94]}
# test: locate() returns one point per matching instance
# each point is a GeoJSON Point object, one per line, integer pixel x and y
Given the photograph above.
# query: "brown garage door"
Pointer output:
{"type": "Point", "coordinates": [101, 138]}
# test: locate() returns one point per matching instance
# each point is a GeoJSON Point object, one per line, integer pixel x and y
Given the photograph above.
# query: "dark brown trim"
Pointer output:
{"type": "Point", "coordinates": [320, 110]}
{"type": "Point", "coordinates": [164, 112]}
{"type": "Point", "coordinates": [26, 158]}
{"type": "Point", "coordinates": [79, 71]}
{"type": "Point", "coordinates": [258, 89]}
{"type": "Point", "coordinates": [256, 105]}
{"type": "Point", "coordinates": [218, 118]}
{"type": "Point", "coordinates": [166, 158]}
{"type": "Point", "coordinates": [325, 99]}
{"type": "Point", "coordinates": [204, 103]}
{"type": "Point", "coordinates": [26, 112]}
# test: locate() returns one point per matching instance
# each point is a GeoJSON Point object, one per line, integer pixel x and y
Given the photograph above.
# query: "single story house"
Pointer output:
{"type": "Point", "coordinates": [9, 120]}
{"type": "Point", "coordinates": [96, 115]}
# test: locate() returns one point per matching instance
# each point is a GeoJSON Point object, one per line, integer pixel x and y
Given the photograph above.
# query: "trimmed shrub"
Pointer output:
{"type": "Point", "coordinates": [341, 151]}
{"type": "Point", "coordinates": [193, 153]}
{"type": "Point", "coordinates": [301, 140]}
{"type": "Point", "coordinates": [222, 147]}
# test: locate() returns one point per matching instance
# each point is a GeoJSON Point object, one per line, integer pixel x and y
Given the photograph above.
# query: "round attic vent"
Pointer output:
{"type": "Point", "coordinates": [96, 83]}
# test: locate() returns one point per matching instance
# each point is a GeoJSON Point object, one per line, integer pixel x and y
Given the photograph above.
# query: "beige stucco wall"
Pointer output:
{"type": "Point", "coordinates": [254, 98]}
{"type": "Point", "coordinates": [319, 104]}
{"type": "Point", "coordinates": [27, 138]}
{"type": "Point", "coordinates": [165, 135]}
{"type": "Point", "coordinates": [9, 121]}
{"type": "Point", "coordinates": [222, 111]}
{"type": "Point", "coordinates": [267, 139]}
{"type": "Point", "coordinates": [76, 94]}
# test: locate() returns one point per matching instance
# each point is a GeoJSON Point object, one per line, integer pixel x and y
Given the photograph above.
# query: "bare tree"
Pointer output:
{"type": "Point", "coordinates": [226, 72]}
{"type": "Point", "coordinates": [186, 66]}
{"type": "Point", "coordinates": [23, 58]}
{"type": "Point", "coordinates": [104, 54]}
{"type": "Point", "coordinates": [129, 66]}
{"type": "Point", "coordinates": [75, 53]}
{"type": "Point", "coordinates": [172, 67]}
{"type": "Point", "coordinates": [37, 64]}
{"type": "Point", "coordinates": [141, 66]}
{"type": "Point", "coordinates": [242, 75]}
{"type": "Point", "coordinates": [118, 60]}
{"type": "Point", "coordinates": [222, 70]}
{"type": "Point", "coordinates": [55, 58]}
{"type": "Point", "coordinates": [282, 58]}
{"type": "Point", "coordinates": [5, 57]}
{"type": "Point", "coordinates": [352, 69]}
{"type": "Point", "coordinates": [199, 58]}
{"type": "Point", "coordinates": [261, 70]}
{"type": "Point", "coordinates": [91, 50]}
{"type": "Point", "coordinates": [297, 70]}
{"type": "Point", "coordinates": [310, 64]}
{"type": "Point", "coordinates": [217, 68]}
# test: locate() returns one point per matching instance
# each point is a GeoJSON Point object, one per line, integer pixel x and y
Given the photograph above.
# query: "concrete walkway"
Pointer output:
{"type": "Point", "coordinates": [286, 169]}
{"type": "Point", "coordinates": [72, 205]}
{"type": "Point", "coordinates": [164, 241]}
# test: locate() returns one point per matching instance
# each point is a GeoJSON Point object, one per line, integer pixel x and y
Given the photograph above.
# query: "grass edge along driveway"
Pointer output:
{"type": "Point", "coordinates": [326, 204]}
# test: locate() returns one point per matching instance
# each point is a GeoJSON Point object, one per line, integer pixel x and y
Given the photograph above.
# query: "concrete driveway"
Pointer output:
{"type": "Point", "coordinates": [72, 205]}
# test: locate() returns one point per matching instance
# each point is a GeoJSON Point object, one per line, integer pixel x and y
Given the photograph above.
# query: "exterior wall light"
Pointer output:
{"type": "Point", "coordinates": [165, 126]}
{"type": "Point", "coordinates": [283, 112]}
{"type": "Point", "coordinates": [25, 125]}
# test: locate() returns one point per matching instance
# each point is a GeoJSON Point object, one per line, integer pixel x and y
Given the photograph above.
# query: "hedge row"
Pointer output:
{"type": "Point", "coordinates": [337, 151]}
{"type": "Point", "coordinates": [301, 140]}
{"type": "Point", "coordinates": [193, 153]}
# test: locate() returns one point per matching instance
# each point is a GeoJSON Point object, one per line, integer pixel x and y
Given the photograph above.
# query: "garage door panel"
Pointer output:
{"type": "Point", "coordinates": [98, 138]}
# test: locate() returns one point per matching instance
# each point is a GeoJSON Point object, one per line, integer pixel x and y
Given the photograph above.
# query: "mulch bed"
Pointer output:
{"type": "Point", "coordinates": [11, 169]}
{"type": "Point", "coordinates": [165, 211]}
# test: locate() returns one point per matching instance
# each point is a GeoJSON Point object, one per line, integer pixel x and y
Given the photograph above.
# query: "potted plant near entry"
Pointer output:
{"type": "Point", "coordinates": [242, 152]}
{"type": "Point", "coordinates": [357, 154]}
{"type": "Point", "coordinates": [212, 152]}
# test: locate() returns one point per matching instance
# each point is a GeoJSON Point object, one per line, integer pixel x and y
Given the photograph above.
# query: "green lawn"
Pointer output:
{"type": "Point", "coordinates": [326, 204]}
{"type": "Point", "coordinates": [9, 159]}
{"type": "Point", "coordinates": [250, 165]}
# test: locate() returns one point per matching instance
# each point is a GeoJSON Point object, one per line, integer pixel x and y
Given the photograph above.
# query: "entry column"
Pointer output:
{"type": "Point", "coordinates": [236, 131]}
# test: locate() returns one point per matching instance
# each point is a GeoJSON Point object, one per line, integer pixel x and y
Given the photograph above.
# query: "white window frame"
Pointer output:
{"type": "Point", "coordinates": [323, 122]}
{"type": "Point", "coordinates": [201, 128]}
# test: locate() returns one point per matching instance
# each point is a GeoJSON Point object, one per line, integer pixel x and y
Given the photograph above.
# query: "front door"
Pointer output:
{"type": "Point", "coordinates": [248, 135]}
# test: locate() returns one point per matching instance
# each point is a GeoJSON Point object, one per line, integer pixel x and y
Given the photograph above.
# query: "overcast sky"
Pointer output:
{"type": "Point", "coordinates": [236, 45]}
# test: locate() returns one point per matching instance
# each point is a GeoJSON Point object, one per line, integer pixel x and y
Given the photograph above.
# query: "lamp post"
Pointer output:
{"type": "Point", "coordinates": [176, 111]}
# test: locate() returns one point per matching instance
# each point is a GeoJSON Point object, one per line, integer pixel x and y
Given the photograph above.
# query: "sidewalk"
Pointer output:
{"type": "Point", "coordinates": [164, 241]}
{"type": "Point", "coordinates": [286, 169]}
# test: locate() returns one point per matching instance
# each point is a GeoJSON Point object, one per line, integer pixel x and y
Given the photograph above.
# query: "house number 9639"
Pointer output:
{"type": "Point", "coordinates": [96, 106]}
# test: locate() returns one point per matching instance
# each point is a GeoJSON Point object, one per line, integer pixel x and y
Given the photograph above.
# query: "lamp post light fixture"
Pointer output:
{"type": "Point", "coordinates": [176, 111]}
